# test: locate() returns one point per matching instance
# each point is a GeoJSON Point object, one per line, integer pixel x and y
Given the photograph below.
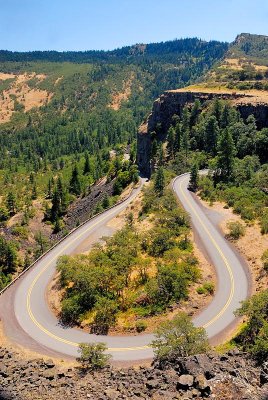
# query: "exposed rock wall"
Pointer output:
{"type": "Point", "coordinates": [223, 377]}
{"type": "Point", "coordinates": [259, 110]}
{"type": "Point", "coordinates": [173, 101]}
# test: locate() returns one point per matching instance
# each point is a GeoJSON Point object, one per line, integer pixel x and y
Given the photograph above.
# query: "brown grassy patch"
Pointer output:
{"type": "Point", "coordinates": [251, 245]}
{"type": "Point", "coordinates": [19, 91]}
{"type": "Point", "coordinates": [118, 98]}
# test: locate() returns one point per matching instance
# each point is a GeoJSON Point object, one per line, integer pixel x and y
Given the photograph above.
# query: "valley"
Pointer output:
{"type": "Point", "coordinates": [142, 252]}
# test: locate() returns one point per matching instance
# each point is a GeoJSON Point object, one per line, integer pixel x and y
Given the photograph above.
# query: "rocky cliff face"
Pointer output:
{"type": "Point", "coordinates": [173, 101]}
{"type": "Point", "coordinates": [223, 377]}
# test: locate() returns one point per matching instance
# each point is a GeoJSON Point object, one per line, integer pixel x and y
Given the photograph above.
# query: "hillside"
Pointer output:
{"type": "Point", "coordinates": [69, 119]}
{"type": "Point", "coordinates": [244, 67]}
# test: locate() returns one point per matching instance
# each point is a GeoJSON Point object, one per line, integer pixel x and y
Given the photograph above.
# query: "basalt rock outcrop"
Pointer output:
{"type": "Point", "coordinates": [173, 101]}
{"type": "Point", "coordinates": [230, 376]}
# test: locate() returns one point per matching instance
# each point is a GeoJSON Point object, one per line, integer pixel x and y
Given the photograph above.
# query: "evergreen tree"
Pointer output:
{"type": "Point", "coordinates": [160, 156]}
{"type": "Point", "coordinates": [11, 203]}
{"type": "Point", "coordinates": [217, 110]}
{"type": "Point", "coordinates": [185, 141]}
{"type": "Point", "coordinates": [57, 226]}
{"type": "Point", "coordinates": [193, 184]}
{"type": "Point", "coordinates": [226, 156]}
{"type": "Point", "coordinates": [106, 201]}
{"type": "Point", "coordinates": [159, 184]}
{"type": "Point", "coordinates": [27, 261]}
{"type": "Point", "coordinates": [34, 191]}
{"type": "Point", "coordinates": [49, 189]}
{"type": "Point", "coordinates": [211, 133]}
{"type": "Point", "coordinates": [195, 113]}
{"type": "Point", "coordinates": [75, 184]}
{"type": "Point", "coordinates": [55, 211]}
{"type": "Point", "coordinates": [225, 117]}
{"type": "Point", "coordinates": [31, 178]}
{"type": "Point", "coordinates": [171, 142]}
{"type": "Point", "coordinates": [185, 119]}
{"type": "Point", "coordinates": [178, 136]}
{"type": "Point", "coordinates": [87, 169]}
{"type": "Point", "coordinates": [185, 128]}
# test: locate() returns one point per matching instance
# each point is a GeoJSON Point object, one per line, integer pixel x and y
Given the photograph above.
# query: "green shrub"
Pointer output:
{"type": "Point", "coordinates": [264, 259]}
{"type": "Point", "coordinates": [92, 355]}
{"type": "Point", "coordinates": [254, 336]}
{"type": "Point", "coordinates": [179, 338]}
{"type": "Point", "coordinates": [4, 215]}
{"type": "Point", "coordinates": [264, 223]}
{"type": "Point", "coordinates": [20, 231]}
{"type": "Point", "coordinates": [141, 326]}
{"type": "Point", "coordinates": [236, 230]}
{"type": "Point", "coordinates": [207, 288]}
{"type": "Point", "coordinates": [71, 309]}
{"type": "Point", "coordinates": [105, 317]}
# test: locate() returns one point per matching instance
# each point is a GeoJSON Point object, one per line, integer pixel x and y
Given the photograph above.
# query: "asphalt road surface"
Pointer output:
{"type": "Point", "coordinates": [25, 313]}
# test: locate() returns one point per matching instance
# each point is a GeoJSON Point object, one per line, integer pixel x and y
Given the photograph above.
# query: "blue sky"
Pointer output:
{"type": "Point", "coordinates": [107, 24]}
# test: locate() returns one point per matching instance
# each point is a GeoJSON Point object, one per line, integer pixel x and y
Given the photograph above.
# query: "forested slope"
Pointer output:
{"type": "Point", "coordinates": [68, 119]}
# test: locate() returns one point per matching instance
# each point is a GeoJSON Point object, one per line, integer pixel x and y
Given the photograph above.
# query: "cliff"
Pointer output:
{"type": "Point", "coordinates": [173, 101]}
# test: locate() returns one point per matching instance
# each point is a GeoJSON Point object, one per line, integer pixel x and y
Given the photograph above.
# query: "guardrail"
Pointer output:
{"type": "Point", "coordinates": [65, 237]}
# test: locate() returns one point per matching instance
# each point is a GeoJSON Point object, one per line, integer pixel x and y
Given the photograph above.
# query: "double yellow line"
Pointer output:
{"type": "Point", "coordinates": [228, 267]}
{"type": "Point", "coordinates": [122, 349]}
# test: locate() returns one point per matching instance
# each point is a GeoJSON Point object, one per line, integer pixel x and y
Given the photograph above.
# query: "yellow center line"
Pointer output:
{"type": "Point", "coordinates": [29, 293]}
{"type": "Point", "coordinates": [120, 349]}
{"type": "Point", "coordinates": [229, 269]}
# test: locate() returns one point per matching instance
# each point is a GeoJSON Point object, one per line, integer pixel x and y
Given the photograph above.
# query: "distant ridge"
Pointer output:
{"type": "Point", "coordinates": [172, 47]}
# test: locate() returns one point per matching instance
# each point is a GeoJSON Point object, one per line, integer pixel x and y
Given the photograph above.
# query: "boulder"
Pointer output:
{"type": "Point", "coordinates": [202, 385]}
{"type": "Point", "coordinates": [185, 382]}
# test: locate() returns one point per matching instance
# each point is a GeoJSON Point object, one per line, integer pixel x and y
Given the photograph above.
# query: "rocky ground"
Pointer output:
{"type": "Point", "coordinates": [230, 376]}
{"type": "Point", "coordinates": [82, 209]}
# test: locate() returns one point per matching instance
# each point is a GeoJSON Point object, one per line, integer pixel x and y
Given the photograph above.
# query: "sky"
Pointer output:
{"type": "Point", "coordinates": [107, 24]}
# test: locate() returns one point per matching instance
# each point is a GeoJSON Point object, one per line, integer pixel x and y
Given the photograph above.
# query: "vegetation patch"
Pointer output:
{"type": "Point", "coordinates": [136, 275]}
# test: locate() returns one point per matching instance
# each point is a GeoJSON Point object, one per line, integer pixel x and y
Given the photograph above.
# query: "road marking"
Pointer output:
{"type": "Point", "coordinates": [28, 302]}
{"type": "Point", "coordinates": [121, 349]}
{"type": "Point", "coordinates": [229, 269]}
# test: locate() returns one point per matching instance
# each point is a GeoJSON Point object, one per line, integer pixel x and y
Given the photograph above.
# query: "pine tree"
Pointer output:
{"type": "Point", "coordinates": [87, 169]}
{"type": "Point", "coordinates": [193, 184]}
{"type": "Point", "coordinates": [171, 142]}
{"type": "Point", "coordinates": [57, 226]}
{"type": "Point", "coordinates": [34, 192]}
{"type": "Point", "coordinates": [49, 189]}
{"type": "Point", "coordinates": [185, 119]}
{"type": "Point", "coordinates": [211, 133]}
{"type": "Point", "coordinates": [31, 178]}
{"type": "Point", "coordinates": [195, 113]}
{"type": "Point", "coordinates": [225, 117]}
{"type": "Point", "coordinates": [178, 136]}
{"type": "Point", "coordinates": [225, 156]}
{"type": "Point", "coordinates": [217, 110]}
{"type": "Point", "coordinates": [106, 201]}
{"type": "Point", "coordinates": [185, 141]}
{"type": "Point", "coordinates": [55, 211]}
{"type": "Point", "coordinates": [11, 203]}
{"type": "Point", "coordinates": [160, 155]}
{"type": "Point", "coordinates": [185, 129]}
{"type": "Point", "coordinates": [159, 184]}
{"type": "Point", "coordinates": [75, 184]}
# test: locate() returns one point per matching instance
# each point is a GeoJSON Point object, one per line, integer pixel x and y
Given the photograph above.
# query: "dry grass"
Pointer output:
{"type": "Point", "coordinates": [252, 245]}
{"type": "Point", "coordinates": [251, 96]}
{"type": "Point", "coordinates": [118, 98]}
{"type": "Point", "coordinates": [20, 92]}
{"type": "Point", "coordinates": [4, 77]}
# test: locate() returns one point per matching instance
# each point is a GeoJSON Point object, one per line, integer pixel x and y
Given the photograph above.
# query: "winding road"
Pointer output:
{"type": "Point", "coordinates": [28, 321]}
